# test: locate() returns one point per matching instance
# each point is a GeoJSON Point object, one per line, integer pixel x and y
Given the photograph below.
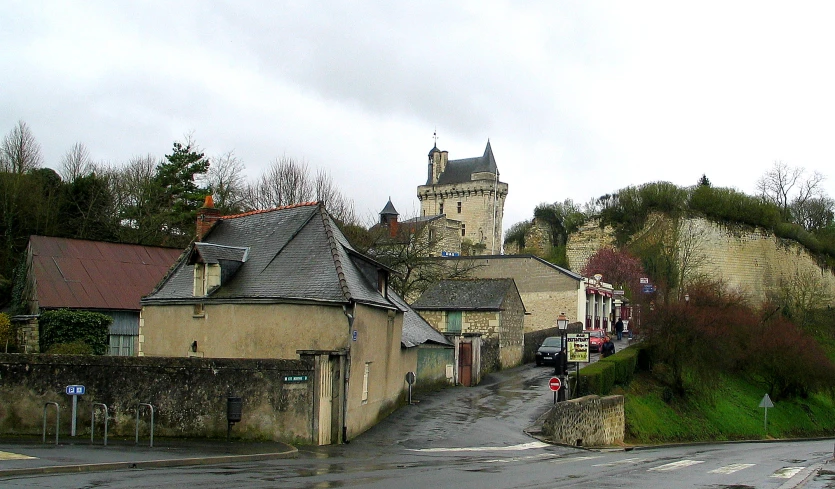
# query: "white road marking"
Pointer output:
{"type": "Point", "coordinates": [621, 462]}
{"type": "Point", "coordinates": [786, 472]}
{"type": "Point", "coordinates": [730, 469]}
{"type": "Point", "coordinates": [523, 446]}
{"type": "Point", "coordinates": [676, 465]}
{"type": "Point", "coordinates": [544, 456]}
{"type": "Point", "coordinates": [14, 456]}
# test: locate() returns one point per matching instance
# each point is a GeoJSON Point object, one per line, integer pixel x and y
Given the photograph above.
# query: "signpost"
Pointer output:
{"type": "Point", "coordinates": [578, 347]}
{"type": "Point", "coordinates": [410, 379]}
{"type": "Point", "coordinates": [74, 391]}
{"type": "Point", "coordinates": [554, 384]}
{"type": "Point", "coordinates": [766, 403]}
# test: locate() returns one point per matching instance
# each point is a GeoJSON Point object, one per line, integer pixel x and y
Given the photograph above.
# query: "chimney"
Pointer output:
{"type": "Point", "coordinates": [394, 226]}
{"type": "Point", "coordinates": [206, 216]}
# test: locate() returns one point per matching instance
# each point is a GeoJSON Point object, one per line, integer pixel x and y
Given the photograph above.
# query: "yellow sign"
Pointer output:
{"type": "Point", "coordinates": [578, 347]}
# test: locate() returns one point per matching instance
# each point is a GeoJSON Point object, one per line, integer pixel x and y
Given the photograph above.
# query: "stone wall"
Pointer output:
{"type": "Point", "coordinates": [585, 242]}
{"type": "Point", "coordinates": [512, 339]}
{"type": "Point", "coordinates": [589, 421]}
{"type": "Point", "coordinates": [188, 394]}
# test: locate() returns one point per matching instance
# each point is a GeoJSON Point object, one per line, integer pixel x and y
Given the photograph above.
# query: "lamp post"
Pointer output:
{"type": "Point", "coordinates": [562, 325]}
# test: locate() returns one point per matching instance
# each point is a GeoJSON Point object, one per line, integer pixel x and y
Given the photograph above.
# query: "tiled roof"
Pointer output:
{"type": "Point", "coordinates": [389, 209]}
{"type": "Point", "coordinates": [84, 274]}
{"type": "Point", "coordinates": [469, 294]}
{"type": "Point", "coordinates": [295, 253]}
{"type": "Point", "coordinates": [416, 331]}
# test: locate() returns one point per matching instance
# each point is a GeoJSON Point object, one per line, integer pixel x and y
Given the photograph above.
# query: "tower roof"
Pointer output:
{"type": "Point", "coordinates": [459, 171]}
{"type": "Point", "coordinates": [389, 209]}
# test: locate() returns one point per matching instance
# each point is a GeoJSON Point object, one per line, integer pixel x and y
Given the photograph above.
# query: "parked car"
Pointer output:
{"type": "Point", "coordinates": [548, 350]}
{"type": "Point", "coordinates": [595, 339]}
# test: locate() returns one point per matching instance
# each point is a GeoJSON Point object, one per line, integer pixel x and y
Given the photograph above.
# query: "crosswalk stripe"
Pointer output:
{"type": "Point", "coordinates": [14, 456]}
{"type": "Point", "coordinates": [786, 472]}
{"type": "Point", "coordinates": [676, 465]}
{"type": "Point", "coordinates": [621, 462]}
{"type": "Point", "coordinates": [730, 469]}
{"type": "Point", "coordinates": [523, 446]}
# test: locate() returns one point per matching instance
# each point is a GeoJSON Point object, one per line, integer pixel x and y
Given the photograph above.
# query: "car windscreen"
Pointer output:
{"type": "Point", "coordinates": [551, 341]}
{"type": "Point", "coordinates": [596, 334]}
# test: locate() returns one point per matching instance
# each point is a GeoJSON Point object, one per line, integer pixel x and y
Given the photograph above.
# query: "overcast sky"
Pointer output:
{"type": "Point", "coordinates": [578, 99]}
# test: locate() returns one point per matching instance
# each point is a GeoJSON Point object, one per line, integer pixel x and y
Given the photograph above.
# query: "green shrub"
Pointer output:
{"type": "Point", "coordinates": [66, 326]}
{"type": "Point", "coordinates": [8, 334]}
{"type": "Point", "coordinates": [77, 347]}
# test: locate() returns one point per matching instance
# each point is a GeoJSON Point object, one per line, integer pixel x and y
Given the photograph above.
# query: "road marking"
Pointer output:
{"type": "Point", "coordinates": [551, 457]}
{"type": "Point", "coordinates": [523, 446]}
{"type": "Point", "coordinates": [786, 472]}
{"type": "Point", "coordinates": [730, 469]}
{"type": "Point", "coordinates": [621, 462]}
{"type": "Point", "coordinates": [14, 456]}
{"type": "Point", "coordinates": [676, 465]}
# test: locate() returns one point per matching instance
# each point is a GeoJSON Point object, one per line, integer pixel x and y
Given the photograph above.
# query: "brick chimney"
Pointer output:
{"type": "Point", "coordinates": [206, 216]}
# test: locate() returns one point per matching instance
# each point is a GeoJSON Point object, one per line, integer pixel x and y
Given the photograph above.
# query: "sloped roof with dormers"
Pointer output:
{"type": "Point", "coordinates": [294, 253]}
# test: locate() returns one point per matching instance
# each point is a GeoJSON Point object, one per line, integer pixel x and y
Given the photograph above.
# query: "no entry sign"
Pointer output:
{"type": "Point", "coordinates": [554, 384]}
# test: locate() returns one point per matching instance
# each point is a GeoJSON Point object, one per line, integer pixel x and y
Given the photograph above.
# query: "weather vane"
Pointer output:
{"type": "Point", "coordinates": [435, 136]}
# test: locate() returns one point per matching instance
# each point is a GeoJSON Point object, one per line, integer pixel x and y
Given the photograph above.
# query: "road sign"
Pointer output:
{"type": "Point", "coordinates": [648, 288]}
{"type": "Point", "coordinates": [75, 390]}
{"type": "Point", "coordinates": [554, 384]}
{"type": "Point", "coordinates": [766, 402]}
{"type": "Point", "coordinates": [644, 280]}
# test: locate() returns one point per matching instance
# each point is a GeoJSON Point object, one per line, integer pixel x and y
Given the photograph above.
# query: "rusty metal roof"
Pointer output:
{"type": "Point", "coordinates": [77, 273]}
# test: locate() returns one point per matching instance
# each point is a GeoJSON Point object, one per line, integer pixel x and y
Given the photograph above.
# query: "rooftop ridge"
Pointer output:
{"type": "Point", "coordinates": [262, 211]}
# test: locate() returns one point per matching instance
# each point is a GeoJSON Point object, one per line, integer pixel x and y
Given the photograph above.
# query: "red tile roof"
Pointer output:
{"type": "Point", "coordinates": [261, 211]}
{"type": "Point", "coordinates": [85, 274]}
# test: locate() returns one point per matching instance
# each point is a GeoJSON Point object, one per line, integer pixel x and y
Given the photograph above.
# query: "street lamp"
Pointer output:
{"type": "Point", "coordinates": [562, 325]}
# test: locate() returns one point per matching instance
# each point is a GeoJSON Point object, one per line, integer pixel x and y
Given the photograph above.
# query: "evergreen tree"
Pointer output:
{"type": "Point", "coordinates": [180, 194]}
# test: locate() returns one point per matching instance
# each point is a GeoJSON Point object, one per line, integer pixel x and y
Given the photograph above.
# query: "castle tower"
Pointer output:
{"type": "Point", "coordinates": [469, 191]}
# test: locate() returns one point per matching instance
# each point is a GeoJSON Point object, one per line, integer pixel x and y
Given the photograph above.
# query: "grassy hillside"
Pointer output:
{"type": "Point", "coordinates": [729, 412]}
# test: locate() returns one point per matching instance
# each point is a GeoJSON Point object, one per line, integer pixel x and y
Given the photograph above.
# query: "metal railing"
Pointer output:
{"type": "Point", "coordinates": [93, 421]}
{"type": "Point", "coordinates": [138, 409]}
{"type": "Point", "coordinates": [57, 420]}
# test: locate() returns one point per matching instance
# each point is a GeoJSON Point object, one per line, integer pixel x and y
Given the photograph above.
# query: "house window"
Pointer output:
{"type": "Point", "coordinates": [121, 345]}
{"type": "Point", "coordinates": [365, 382]}
{"type": "Point", "coordinates": [441, 208]}
{"type": "Point", "coordinates": [453, 322]}
{"type": "Point", "coordinates": [459, 207]}
{"type": "Point", "coordinates": [198, 311]}
{"type": "Point", "coordinates": [463, 229]}
{"type": "Point", "coordinates": [381, 283]}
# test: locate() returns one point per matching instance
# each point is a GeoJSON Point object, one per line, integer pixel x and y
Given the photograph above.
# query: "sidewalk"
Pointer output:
{"type": "Point", "coordinates": [27, 456]}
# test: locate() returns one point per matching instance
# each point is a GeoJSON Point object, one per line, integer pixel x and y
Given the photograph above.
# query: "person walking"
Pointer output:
{"type": "Point", "coordinates": [619, 329]}
{"type": "Point", "coordinates": [608, 347]}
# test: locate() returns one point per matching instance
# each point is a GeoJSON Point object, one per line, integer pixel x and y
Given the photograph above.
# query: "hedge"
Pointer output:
{"type": "Point", "coordinates": [599, 378]}
{"type": "Point", "coordinates": [65, 326]}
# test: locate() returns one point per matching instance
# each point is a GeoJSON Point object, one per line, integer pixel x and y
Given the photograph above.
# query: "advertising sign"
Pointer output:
{"type": "Point", "coordinates": [578, 347]}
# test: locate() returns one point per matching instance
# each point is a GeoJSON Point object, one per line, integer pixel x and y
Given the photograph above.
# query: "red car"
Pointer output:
{"type": "Point", "coordinates": [595, 339]}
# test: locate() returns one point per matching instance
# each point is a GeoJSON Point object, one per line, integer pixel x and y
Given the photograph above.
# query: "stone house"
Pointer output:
{"type": "Point", "coordinates": [435, 235]}
{"type": "Point", "coordinates": [284, 283]}
{"type": "Point", "coordinates": [491, 308]}
{"type": "Point", "coordinates": [96, 276]}
{"type": "Point", "coordinates": [547, 289]}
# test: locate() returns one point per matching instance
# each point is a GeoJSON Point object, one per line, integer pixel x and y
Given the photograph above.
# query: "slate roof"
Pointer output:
{"type": "Point", "coordinates": [389, 209]}
{"type": "Point", "coordinates": [296, 253]}
{"type": "Point", "coordinates": [460, 171]}
{"type": "Point", "coordinates": [416, 330]}
{"type": "Point", "coordinates": [83, 274]}
{"type": "Point", "coordinates": [564, 271]}
{"type": "Point", "coordinates": [466, 295]}
{"type": "Point", "coordinates": [212, 253]}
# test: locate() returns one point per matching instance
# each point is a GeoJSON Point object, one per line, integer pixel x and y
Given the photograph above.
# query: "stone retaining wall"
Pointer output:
{"type": "Point", "coordinates": [589, 421]}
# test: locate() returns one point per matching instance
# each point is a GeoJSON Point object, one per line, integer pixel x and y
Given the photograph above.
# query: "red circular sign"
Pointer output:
{"type": "Point", "coordinates": [554, 383]}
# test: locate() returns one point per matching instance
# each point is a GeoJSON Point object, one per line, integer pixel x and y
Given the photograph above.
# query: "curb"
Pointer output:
{"type": "Point", "coordinates": [147, 464]}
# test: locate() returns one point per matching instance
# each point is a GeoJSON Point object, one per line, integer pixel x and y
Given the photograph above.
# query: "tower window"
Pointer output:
{"type": "Point", "coordinates": [459, 207]}
{"type": "Point", "coordinates": [441, 208]}
{"type": "Point", "coordinates": [463, 229]}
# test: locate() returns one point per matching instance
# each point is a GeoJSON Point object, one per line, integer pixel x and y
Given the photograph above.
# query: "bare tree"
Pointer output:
{"type": "Point", "coordinates": [135, 196]}
{"type": "Point", "coordinates": [76, 163]}
{"type": "Point", "coordinates": [339, 207]}
{"type": "Point", "coordinates": [690, 241]}
{"type": "Point", "coordinates": [20, 151]}
{"type": "Point", "coordinates": [787, 187]}
{"type": "Point", "coordinates": [814, 214]}
{"type": "Point", "coordinates": [226, 180]}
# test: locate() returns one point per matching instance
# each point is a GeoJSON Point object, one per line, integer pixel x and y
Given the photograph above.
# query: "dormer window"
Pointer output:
{"type": "Point", "coordinates": [214, 265]}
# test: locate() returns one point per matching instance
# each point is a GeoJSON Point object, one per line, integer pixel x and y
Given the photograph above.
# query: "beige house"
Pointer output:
{"type": "Point", "coordinates": [547, 290]}
{"type": "Point", "coordinates": [285, 283]}
{"type": "Point", "coordinates": [490, 308]}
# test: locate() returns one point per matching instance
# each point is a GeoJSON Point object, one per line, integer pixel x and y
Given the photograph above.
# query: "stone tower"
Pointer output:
{"type": "Point", "coordinates": [468, 191]}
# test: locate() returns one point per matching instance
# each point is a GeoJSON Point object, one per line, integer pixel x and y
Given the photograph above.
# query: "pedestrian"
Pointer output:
{"type": "Point", "coordinates": [608, 347]}
{"type": "Point", "coordinates": [619, 328]}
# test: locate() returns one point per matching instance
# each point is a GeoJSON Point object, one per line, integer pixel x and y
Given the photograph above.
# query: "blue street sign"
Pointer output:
{"type": "Point", "coordinates": [354, 335]}
{"type": "Point", "coordinates": [648, 288]}
{"type": "Point", "coordinates": [75, 390]}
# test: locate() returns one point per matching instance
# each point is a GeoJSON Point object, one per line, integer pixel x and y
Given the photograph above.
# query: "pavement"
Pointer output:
{"type": "Point", "coordinates": [29, 456]}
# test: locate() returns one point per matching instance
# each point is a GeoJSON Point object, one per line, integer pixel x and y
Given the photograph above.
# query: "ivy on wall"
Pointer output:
{"type": "Point", "coordinates": [63, 326]}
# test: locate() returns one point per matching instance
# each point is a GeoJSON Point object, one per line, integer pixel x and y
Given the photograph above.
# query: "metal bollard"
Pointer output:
{"type": "Point", "coordinates": [57, 420]}
{"type": "Point", "coordinates": [138, 409]}
{"type": "Point", "coordinates": [93, 421]}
